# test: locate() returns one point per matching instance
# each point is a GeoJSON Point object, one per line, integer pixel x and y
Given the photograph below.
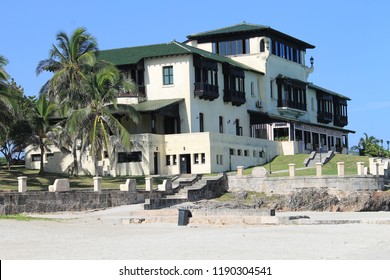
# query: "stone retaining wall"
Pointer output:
{"type": "Point", "coordinates": [286, 185]}
{"type": "Point", "coordinates": [42, 201]}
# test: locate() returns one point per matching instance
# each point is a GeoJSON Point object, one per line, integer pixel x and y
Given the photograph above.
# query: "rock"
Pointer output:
{"type": "Point", "coordinates": [259, 172]}
{"type": "Point", "coordinates": [312, 199]}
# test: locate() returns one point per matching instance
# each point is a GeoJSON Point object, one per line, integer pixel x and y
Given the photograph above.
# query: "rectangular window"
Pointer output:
{"type": "Point", "coordinates": [168, 75]}
{"type": "Point", "coordinates": [36, 157]}
{"type": "Point", "coordinates": [220, 124]}
{"type": "Point", "coordinates": [203, 156]}
{"type": "Point", "coordinates": [196, 158]}
{"type": "Point", "coordinates": [220, 160]}
{"type": "Point", "coordinates": [130, 157]}
{"type": "Point", "coordinates": [271, 83]}
{"type": "Point", "coordinates": [174, 160]}
{"type": "Point", "coordinates": [201, 122]}
{"type": "Point", "coordinates": [215, 48]}
{"type": "Point", "coordinates": [168, 160]}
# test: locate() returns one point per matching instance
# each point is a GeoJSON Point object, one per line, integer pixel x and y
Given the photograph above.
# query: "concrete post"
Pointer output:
{"type": "Point", "coordinates": [149, 184]}
{"type": "Point", "coordinates": [133, 185]}
{"type": "Point", "coordinates": [360, 168]}
{"type": "Point", "coordinates": [319, 169]}
{"type": "Point", "coordinates": [291, 169]}
{"type": "Point", "coordinates": [22, 184]}
{"type": "Point", "coordinates": [340, 168]}
{"type": "Point", "coordinates": [376, 169]}
{"type": "Point", "coordinates": [97, 184]}
{"type": "Point", "coordinates": [240, 170]}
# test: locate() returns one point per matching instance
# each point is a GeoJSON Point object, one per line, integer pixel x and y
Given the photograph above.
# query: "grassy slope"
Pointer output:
{"type": "Point", "coordinates": [281, 163]}
{"type": "Point", "coordinates": [9, 180]}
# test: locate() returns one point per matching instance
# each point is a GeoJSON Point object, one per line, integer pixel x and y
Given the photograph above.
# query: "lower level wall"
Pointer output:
{"type": "Point", "coordinates": [42, 202]}
{"type": "Point", "coordinates": [287, 185]}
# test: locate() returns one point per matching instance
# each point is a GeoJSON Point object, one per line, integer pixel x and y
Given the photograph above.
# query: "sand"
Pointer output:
{"type": "Point", "coordinates": [100, 235]}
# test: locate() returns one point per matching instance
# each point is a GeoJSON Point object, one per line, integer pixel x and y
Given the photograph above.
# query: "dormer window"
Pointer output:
{"type": "Point", "coordinates": [233, 47]}
{"type": "Point", "coordinates": [286, 51]}
{"type": "Point", "coordinates": [262, 45]}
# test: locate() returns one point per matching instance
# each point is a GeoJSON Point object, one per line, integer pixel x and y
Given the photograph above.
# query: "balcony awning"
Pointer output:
{"type": "Point", "coordinates": [257, 117]}
{"type": "Point", "coordinates": [156, 105]}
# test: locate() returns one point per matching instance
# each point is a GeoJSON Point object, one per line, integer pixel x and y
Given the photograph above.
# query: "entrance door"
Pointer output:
{"type": "Point", "coordinates": [185, 164]}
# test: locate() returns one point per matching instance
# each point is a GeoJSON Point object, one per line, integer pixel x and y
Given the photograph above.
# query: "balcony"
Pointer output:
{"type": "Point", "coordinates": [236, 97]}
{"type": "Point", "coordinates": [324, 117]}
{"type": "Point", "coordinates": [340, 120]}
{"type": "Point", "coordinates": [206, 91]}
{"type": "Point", "coordinates": [291, 108]}
{"type": "Point", "coordinates": [140, 92]}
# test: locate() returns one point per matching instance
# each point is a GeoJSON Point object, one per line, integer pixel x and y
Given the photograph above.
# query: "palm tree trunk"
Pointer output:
{"type": "Point", "coordinates": [42, 148]}
{"type": "Point", "coordinates": [96, 162]}
{"type": "Point", "coordinates": [75, 162]}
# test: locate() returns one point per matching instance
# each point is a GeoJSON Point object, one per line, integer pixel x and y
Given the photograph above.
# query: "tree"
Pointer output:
{"type": "Point", "coordinates": [10, 94]}
{"type": "Point", "coordinates": [6, 105]}
{"type": "Point", "coordinates": [97, 120]}
{"type": "Point", "coordinates": [368, 146]}
{"type": "Point", "coordinates": [42, 128]}
{"type": "Point", "coordinates": [70, 61]}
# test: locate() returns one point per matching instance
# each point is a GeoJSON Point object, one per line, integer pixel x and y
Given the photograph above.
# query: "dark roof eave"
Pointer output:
{"type": "Point", "coordinates": [315, 87]}
{"type": "Point", "coordinates": [266, 30]}
{"type": "Point", "coordinates": [276, 117]}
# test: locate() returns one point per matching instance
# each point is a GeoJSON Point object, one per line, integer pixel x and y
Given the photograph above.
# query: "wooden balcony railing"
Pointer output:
{"type": "Point", "coordinates": [206, 91]}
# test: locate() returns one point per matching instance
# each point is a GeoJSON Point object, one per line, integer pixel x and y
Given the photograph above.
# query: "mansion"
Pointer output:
{"type": "Point", "coordinates": [234, 96]}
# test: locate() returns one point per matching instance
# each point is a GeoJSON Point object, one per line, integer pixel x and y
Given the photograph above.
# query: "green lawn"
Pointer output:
{"type": "Point", "coordinates": [280, 163]}
{"type": "Point", "coordinates": [9, 180]}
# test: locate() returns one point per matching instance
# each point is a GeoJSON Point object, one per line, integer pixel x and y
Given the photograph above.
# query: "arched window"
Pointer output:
{"type": "Point", "coordinates": [262, 45]}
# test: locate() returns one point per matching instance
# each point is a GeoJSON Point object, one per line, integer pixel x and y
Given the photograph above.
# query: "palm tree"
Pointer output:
{"type": "Point", "coordinates": [42, 129]}
{"type": "Point", "coordinates": [368, 145]}
{"type": "Point", "coordinates": [70, 61]}
{"type": "Point", "coordinates": [3, 74]}
{"type": "Point", "coordinates": [6, 97]}
{"type": "Point", "coordinates": [97, 120]}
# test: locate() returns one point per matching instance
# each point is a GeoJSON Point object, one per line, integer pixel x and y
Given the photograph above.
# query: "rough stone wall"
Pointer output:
{"type": "Point", "coordinates": [41, 202]}
{"type": "Point", "coordinates": [286, 185]}
{"type": "Point", "coordinates": [211, 190]}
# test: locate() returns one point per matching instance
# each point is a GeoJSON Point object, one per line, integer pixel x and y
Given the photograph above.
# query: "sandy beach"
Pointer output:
{"type": "Point", "coordinates": [101, 235]}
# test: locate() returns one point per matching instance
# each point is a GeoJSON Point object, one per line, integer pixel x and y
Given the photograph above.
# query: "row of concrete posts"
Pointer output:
{"type": "Point", "coordinates": [340, 169]}
{"type": "Point", "coordinates": [130, 185]}
{"type": "Point", "coordinates": [361, 170]}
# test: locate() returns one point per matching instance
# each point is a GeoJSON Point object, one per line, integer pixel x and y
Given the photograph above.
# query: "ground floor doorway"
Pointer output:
{"type": "Point", "coordinates": [185, 164]}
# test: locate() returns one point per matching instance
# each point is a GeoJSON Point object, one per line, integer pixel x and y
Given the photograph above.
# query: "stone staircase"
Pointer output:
{"type": "Point", "coordinates": [181, 188]}
{"type": "Point", "coordinates": [324, 158]}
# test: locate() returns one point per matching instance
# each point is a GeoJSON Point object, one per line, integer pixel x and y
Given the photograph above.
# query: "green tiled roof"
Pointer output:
{"type": "Point", "coordinates": [313, 86]}
{"type": "Point", "coordinates": [243, 28]}
{"type": "Point", "coordinates": [155, 105]}
{"type": "Point", "coordinates": [133, 55]}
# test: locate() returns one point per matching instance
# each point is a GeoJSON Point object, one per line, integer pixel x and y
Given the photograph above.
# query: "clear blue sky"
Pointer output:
{"type": "Point", "coordinates": [352, 39]}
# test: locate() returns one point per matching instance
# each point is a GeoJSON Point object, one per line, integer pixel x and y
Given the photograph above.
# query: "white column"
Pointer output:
{"type": "Point", "coordinates": [240, 170]}
{"type": "Point", "coordinates": [319, 169]}
{"type": "Point", "coordinates": [360, 168]}
{"type": "Point", "coordinates": [149, 184]}
{"type": "Point", "coordinates": [340, 169]}
{"type": "Point", "coordinates": [22, 184]}
{"type": "Point", "coordinates": [97, 184]}
{"type": "Point", "coordinates": [291, 169]}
